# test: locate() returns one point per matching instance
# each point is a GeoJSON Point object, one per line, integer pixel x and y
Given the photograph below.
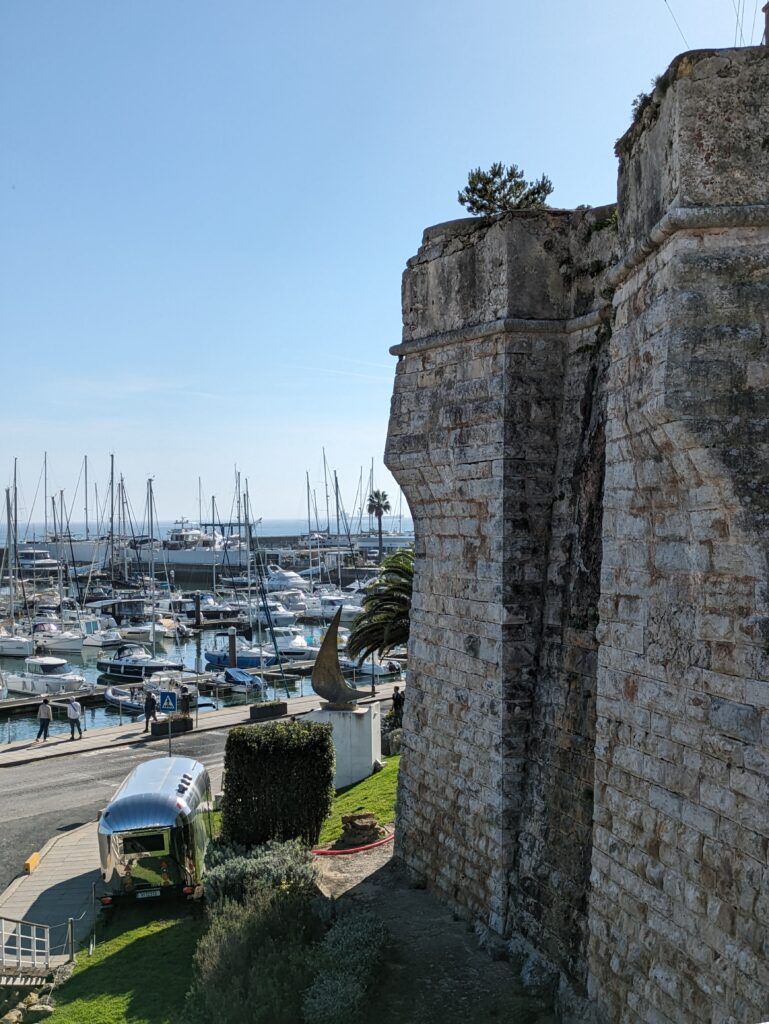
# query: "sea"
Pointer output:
{"type": "Point", "coordinates": [31, 533]}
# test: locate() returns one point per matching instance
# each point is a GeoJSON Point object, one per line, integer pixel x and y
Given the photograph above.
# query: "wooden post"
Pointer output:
{"type": "Point", "coordinates": [232, 649]}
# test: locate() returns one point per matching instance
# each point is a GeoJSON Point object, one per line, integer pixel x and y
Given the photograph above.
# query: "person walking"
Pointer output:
{"type": "Point", "coordinates": [398, 702]}
{"type": "Point", "coordinates": [74, 711]}
{"type": "Point", "coordinates": [150, 710]}
{"type": "Point", "coordinates": [44, 716]}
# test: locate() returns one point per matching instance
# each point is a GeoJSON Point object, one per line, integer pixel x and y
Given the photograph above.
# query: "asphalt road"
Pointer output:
{"type": "Point", "coordinates": [45, 797]}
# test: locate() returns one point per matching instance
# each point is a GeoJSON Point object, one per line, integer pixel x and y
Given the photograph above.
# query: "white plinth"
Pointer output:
{"type": "Point", "coordinates": [357, 739]}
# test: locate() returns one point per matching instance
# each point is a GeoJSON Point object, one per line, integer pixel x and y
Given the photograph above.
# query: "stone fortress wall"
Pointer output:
{"type": "Point", "coordinates": [580, 423]}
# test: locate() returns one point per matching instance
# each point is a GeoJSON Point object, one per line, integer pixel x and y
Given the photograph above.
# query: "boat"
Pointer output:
{"type": "Point", "coordinates": [240, 681]}
{"type": "Point", "coordinates": [131, 699]}
{"type": "Point", "coordinates": [382, 668]}
{"type": "Point", "coordinates": [246, 655]}
{"type": "Point", "coordinates": [43, 675]}
{"type": "Point", "coordinates": [49, 636]}
{"type": "Point", "coordinates": [14, 645]}
{"type": "Point", "coordinates": [104, 638]}
{"type": "Point", "coordinates": [325, 606]}
{"type": "Point", "coordinates": [284, 579]}
{"type": "Point", "coordinates": [132, 661]}
{"type": "Point", "coordinates": [36, 560]}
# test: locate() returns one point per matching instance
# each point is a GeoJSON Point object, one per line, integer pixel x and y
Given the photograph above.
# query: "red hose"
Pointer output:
{"type": "Point", "coordinates": [354, 849]}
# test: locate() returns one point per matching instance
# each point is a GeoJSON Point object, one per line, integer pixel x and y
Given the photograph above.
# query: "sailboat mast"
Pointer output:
{"type": "Point", "coordinates": [213, 542]}
{"type": "Point", "coordinates": [85, 472]}
{"type": "Point", "coordinates": [9, 552]}
{"type": "Point", "coordinates": [112, 515]}
{"type": "Point", "coordinates": [45, 495]}
{"type": "Point", "coordinates": [325, 482]}
{"type": "Point", "coordinates": [152, 562]}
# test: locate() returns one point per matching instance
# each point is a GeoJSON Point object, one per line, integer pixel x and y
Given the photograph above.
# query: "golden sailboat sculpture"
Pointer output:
{"type": "Point", "coordinates": [327, 679]}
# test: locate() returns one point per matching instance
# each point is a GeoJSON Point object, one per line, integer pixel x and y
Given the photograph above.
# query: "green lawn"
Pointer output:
{"type": "Point", "coordinates": [139, 973]}
{"type": "Point", "coordinates": [375, 794]}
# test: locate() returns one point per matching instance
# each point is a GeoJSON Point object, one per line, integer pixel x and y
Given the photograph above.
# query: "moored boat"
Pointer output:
{"type": "Point", "coordinates": [132, 661]}
{"type": "Point", "coordinates": [43, 675]}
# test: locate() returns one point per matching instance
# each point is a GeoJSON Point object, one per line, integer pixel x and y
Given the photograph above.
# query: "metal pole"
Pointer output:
{"type": "Point", "coordinates": [71, 939]}
{"type": "Point", "coordinates": [169, 734]}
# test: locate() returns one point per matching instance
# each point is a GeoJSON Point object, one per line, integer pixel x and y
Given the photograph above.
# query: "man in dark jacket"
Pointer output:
{"type": "Point", "coordinates": [150, 710]}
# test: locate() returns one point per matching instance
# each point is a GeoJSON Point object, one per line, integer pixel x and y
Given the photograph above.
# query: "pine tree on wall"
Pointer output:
{"type": "Point", "coordinates": [502, 189]}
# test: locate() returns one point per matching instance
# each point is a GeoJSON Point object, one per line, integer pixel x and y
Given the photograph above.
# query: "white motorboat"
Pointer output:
{"type": "Point", "coordinates": [44, 675]}
{"type": "Point", "coordinates": [132, 661]}
{"type": "Point", "coordinates": [13, 645]}
{"type": "Point", "coordinates": [49, 636]}
{"type": "Point", "coordinates": [381, 667]}
{"type": "Point", "coordinates": [284, 579]}
{"type": "Point", "coordinates": [325, 606]}
{"type": "Point", "coordinates": [104, 638]}
{"type": "Point", "coordinates": [36, 560]}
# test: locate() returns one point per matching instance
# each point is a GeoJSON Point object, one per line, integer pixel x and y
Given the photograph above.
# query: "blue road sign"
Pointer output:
{"type": "Point", "coordinates": [167, 700]}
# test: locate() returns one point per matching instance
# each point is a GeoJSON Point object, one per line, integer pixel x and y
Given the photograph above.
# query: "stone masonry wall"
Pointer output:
{"type": "Point", "coordinates": [579, 424]}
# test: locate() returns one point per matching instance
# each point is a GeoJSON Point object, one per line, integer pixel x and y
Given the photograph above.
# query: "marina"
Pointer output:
{"type": "Point", "coordinates": [18, 719]}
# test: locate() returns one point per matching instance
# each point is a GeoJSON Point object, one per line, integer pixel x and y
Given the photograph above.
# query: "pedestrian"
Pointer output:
{"type": "Point", "coordinates": [44, 716]}
{"type": "Point", "coordinates": [398, 701]}
{"type": "Point", "coordinates": [74, 711]}
{"type": "Point", "coordinates": [150, 709]}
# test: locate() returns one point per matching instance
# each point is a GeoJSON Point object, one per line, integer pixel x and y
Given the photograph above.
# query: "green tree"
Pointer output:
{"type": "Point", "coordinates": [386, 617]}
{"type": "Point", "coordinates": [378, 505]}
{"type": "Point", "coordinates": [501, 189]}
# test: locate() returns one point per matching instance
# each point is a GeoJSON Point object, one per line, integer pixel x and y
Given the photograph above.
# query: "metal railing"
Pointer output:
{"type": "Point", "coordinates": [24, 944]}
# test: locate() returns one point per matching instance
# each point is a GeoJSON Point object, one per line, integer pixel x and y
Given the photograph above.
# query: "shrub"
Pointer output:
{"type": "Point", "coordinates": [273, 866]}
{"type": "Point", "coordinates": [344, 966]}
{"type": "Point", "coordinates": [253, 964]}
{"type": "Point", "coordinates": [278, 782]}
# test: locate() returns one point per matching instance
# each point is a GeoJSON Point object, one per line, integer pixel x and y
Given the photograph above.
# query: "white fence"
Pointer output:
{"type": "Point", "coordinates": [24, 946]}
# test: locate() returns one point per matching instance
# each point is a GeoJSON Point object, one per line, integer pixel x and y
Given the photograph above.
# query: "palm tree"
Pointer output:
{"type": "Point", "coordinates": [378, 505]}
{"type": "Point", "coordinates": [386, 617]}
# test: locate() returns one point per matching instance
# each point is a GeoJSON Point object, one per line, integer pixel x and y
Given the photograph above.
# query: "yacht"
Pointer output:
{"type": "Point", "coordinates": [132, 661]}
{"type": "Point", "coordinates": [43, 675]}
{"type": "Point", "coordinates": [36, 560]}
{"type": "Point", "coordinates": [14, 645]}
{"type": "Point", "coordinates": [284, 579]}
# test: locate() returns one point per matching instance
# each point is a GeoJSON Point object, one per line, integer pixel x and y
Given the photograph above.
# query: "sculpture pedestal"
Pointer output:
{"type": "Point", "coordinates": [357, 740]}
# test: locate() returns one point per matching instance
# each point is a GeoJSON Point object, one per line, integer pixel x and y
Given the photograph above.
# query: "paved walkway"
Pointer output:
{"type": "Point", "coordinates": [27, 751]}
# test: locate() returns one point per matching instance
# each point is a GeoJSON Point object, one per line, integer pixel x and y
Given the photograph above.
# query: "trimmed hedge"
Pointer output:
{"type": "Point", "coordinates": [278, 782]}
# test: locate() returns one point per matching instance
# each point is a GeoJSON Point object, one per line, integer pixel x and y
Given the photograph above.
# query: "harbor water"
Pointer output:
{"type": "Point", "coordinates": [19, 727]}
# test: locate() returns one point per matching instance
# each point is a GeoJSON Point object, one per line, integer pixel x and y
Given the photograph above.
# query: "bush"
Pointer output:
{"type": "Point", "coordinates": [344, 966]}
{"type": "Point", "coordinates": [278, 782]}
{"type": "Point", "coordinates": [274, 866]}
{"type": "Point", "coordinates": [252, 965]}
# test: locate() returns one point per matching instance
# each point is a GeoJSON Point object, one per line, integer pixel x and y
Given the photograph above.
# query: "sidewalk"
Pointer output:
{"type": "Point", "coordinates": [132, 733]}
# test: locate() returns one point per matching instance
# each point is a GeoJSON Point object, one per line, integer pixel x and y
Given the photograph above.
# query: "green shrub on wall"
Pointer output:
{"type": "Point", "coordinates": [278, 782]}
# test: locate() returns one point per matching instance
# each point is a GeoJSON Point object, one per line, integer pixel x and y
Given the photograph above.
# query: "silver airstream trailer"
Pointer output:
{"type": "Point", "coordinates": [153, 833]}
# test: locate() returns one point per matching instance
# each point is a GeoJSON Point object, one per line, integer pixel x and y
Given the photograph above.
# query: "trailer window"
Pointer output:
{"type": "Point", "coordinates": [149, 843]}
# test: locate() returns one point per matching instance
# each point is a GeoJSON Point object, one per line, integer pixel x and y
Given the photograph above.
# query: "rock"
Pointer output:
{"type": "Point", "coordinates": [12, 1017]}
{"type": "Point", "coordinates": [39, 1011]}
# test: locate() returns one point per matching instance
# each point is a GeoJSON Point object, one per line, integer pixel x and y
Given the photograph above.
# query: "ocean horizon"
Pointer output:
{"type": "Point", "coordinates": [32, 533]}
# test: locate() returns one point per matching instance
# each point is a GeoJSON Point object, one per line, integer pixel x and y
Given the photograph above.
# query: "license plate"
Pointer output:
{"type": "Point", "coordinates": [146, 894]}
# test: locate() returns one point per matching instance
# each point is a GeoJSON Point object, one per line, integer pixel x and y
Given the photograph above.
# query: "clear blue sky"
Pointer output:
{"type": "Point", "coordinates": [206, 208]}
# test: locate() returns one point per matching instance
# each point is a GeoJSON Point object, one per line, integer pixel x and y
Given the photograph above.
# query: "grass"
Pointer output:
{"type": "Point", "coordinates": [139, 973]}
{"type": "Point", "coordinates": [375, 794]}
